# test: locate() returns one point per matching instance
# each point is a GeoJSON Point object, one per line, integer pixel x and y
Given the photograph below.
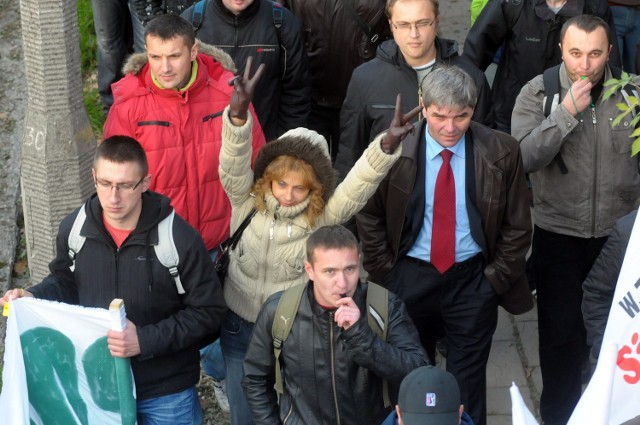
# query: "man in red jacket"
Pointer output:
{"type": "Point", "coordinates": [171, 100]}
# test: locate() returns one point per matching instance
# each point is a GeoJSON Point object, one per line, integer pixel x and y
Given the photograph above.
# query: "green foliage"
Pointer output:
{"type": "Point", "coordinates": [613, 86]}
{"type": "Point", "coordinates": [89, 65]}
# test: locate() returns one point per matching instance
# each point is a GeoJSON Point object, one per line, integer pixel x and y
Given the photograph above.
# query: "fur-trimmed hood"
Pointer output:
{"type": "Point", "coordinates": [136, 61]}
{"type": "Point", "coordinates": [307, 145]}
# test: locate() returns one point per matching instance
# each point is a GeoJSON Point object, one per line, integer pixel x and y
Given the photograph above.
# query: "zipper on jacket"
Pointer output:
{"type": "Point", "coordinates": [116, 254]}
{"type": "Point", "coordinates": [271, 227]}
{"type": "Point", "coordinates": [594, 192]}
{"type": "Point", "coordinates": [333, 368]}
{"type": "Point", "coordinates": [289, 229]}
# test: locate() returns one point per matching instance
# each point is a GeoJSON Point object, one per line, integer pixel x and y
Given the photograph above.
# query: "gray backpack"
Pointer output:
{"type": "Point", "coordinates": [165, 249]}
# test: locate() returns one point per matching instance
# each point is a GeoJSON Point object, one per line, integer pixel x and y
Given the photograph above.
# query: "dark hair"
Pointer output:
{"type": "Point", "coordinates": [330, 237]}
{"type": "Point", "coordinates": [120, 149]}
{"type": "Point", "coordinates": [169, 26]}
{"type": "Point", "coordinates": [586, 23]}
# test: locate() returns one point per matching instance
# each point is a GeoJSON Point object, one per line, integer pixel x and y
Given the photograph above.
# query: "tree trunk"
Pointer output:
{"type": "Point", "coordinates": [58, 144]}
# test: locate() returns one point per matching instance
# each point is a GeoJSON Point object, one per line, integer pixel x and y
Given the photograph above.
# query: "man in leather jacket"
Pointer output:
{"type": "Point", "coordinates": [401, 224]}
{"type": "Point", "coordinates": [333, 362]}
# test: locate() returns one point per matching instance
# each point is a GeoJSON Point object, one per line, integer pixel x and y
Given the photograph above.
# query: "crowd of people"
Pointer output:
{"type": "Point", "coordinates": [338, 136]}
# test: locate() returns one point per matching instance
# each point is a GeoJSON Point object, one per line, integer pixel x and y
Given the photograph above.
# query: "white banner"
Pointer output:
{"type": "Point", "coordinates": [58, 369]}
{"type": "Point", "coordinates": [520, 413]}
{"type": "Point", "coordinates": [623, 332]}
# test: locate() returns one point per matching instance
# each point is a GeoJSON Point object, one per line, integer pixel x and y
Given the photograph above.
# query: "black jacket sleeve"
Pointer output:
{"type": "Point", "coordinates": [394, 358]}
{"type": "Point", "coordinates": [60, 284]}
{"type": "Point", "coordinates": [600, 284]}
{"type": "Point", "coordinates": [295, 95]}
{"type": "Point", "coordinates": [486, 35]}
{"type": "Point", "coordinates": [259, 368]}
{"type": "Point", "coordinates": [355, 125]}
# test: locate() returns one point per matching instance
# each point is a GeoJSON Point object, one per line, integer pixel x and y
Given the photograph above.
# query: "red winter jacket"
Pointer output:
{"type": "Point", "coordinates": [181, 134]}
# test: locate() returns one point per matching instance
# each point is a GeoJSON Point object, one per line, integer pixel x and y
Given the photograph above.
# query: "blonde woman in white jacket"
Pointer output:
{"type": "Point", "coordinates": [293, 190]}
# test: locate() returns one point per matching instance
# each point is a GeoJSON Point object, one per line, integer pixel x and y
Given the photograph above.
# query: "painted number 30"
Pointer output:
{"type": "Point", "coordinates": [34, 138]}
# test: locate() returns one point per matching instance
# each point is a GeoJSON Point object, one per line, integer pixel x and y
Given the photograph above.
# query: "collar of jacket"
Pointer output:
{"type": "Point", "coordinates": [242, 18]}
{"type": "Point", "coordinates": [570, 8]}
{"type": "Point", "coordinates": [155, 208]}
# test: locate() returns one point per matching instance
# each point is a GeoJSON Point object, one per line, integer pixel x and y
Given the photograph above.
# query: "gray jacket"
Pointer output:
{"type": "Point", "coordinates": [600, 285]}
{"type": "Point", "coordinates": [602, 183]}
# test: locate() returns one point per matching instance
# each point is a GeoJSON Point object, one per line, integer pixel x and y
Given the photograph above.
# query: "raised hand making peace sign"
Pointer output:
{"type": "Point", "coordinates": [243, 89]}
{"type": "Point", "coordinates": [399, 128]}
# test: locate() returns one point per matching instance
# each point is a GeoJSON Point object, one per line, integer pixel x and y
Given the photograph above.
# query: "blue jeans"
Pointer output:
{"type": "Point", "coordinates": [181, 408]}
{"type": "Point", "coordinates": [234, 339]}
{"type": "Point", "coordinates": [212, 361]}
{"type": "Point", "coordinates": [627, 21]}
{"type": "Point", "coordinates": [117, 30]}
{"type": "Point", "coordinates": [211, 358]}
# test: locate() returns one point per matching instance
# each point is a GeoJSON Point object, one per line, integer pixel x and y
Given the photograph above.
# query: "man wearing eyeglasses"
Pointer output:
{"type": "Point", "coordinates": [400, 66]}
{"type": "Point", "coordinates": [164, 328]}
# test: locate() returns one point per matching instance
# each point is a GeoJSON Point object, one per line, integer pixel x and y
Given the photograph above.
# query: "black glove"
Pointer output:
{"type": "Point", "coordinates": [399, 128]}
{"type": "Point", "coordinates": [243, 89]}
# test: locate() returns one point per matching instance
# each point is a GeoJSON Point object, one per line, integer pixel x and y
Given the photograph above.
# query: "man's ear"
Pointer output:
{"type": "Point", "coordinates": [308, 267]}
{"type": "Point", "coordinates": [194, 50]}
{"type": "Point", "coordinates": [146, 183]}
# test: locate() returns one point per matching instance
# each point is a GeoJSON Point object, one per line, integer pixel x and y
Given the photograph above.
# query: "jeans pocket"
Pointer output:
{"type": "Point", "coordinates": [232, 324]}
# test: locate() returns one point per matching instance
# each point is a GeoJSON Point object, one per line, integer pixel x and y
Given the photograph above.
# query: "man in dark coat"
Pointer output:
{"type": "Point", "coordinates": [453, 255]}
{"type": "Point", "coordinates": [400, 66]}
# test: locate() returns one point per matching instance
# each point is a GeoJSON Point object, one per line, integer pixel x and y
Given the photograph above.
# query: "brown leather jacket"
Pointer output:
{"type": "Point", "coordinates": [499, 214]}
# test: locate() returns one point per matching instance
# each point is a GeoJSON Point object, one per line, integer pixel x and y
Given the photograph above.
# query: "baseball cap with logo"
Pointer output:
{"type": "Point", "coordinates": [429, 396]}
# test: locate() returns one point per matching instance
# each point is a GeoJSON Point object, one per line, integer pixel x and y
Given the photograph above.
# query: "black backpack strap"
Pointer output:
{"type": "Point", "coordinates": [551, 80]}
{"type": "Point", "coordinates": [349, 7]}
{"type": "Point", "coordinates": [197, 14]}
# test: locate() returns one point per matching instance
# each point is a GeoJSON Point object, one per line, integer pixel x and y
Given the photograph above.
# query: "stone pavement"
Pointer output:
{"type": "Point", "coordinates": [513, 358]}
{"type": "Point", "coordinates": [514, 354]}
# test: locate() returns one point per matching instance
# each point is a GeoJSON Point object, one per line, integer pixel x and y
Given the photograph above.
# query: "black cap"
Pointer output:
{"type": "Point", "coordinates": [429, 395]}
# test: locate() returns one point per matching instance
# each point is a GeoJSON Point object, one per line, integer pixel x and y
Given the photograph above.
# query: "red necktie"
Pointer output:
{"type": "Point", "coordinates": [443, 232]}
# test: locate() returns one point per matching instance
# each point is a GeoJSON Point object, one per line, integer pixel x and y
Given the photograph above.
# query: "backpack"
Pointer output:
{"type": "Point", "coordinates": [197, 17]}
{"type": "Point", "coordinates": [377, 318]}
{"type": "Point", "coordinates": [166, 250]}
{"type": "Point", "coordinates": [551, 100]}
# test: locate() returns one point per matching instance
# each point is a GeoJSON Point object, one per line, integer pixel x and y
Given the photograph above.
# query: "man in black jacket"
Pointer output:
{"type": "Point", "coordinates": [530, 31]}
{"type": "Point", "coordinates": [164, 328]}
{"type": "Point", "coordinates": [399, 67]}
{"type": "Point", "coordinates": [271, 35]}
{"type": "Point", "coordinates": [333, 362]}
